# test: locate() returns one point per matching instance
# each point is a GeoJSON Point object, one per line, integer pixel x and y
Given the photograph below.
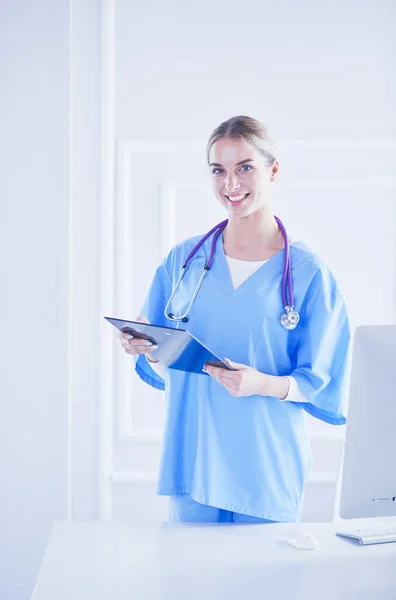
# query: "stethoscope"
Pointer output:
{"type": "Point", "coordinates": [288, 319]}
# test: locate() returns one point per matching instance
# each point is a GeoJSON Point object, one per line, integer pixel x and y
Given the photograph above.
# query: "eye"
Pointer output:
{"type": "Point", "coordinates": [247, 167]}
{"type": "Point", "coordinates": [217, 171]}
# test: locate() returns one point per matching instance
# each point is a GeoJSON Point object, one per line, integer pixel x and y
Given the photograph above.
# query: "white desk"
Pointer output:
{"type": "Point", "coordinates": [127, 561]}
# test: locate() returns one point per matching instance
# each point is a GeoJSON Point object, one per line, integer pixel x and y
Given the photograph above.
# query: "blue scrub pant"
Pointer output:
{"type": "Point", "coordinates": [183, 509]}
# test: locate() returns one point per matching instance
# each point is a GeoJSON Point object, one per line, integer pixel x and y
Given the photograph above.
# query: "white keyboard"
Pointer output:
{"type": "Point", "coordinates": [378, 534]}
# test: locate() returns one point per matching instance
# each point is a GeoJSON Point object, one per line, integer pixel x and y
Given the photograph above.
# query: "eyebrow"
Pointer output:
{"type": "Point", "coordinates": [238, 163]}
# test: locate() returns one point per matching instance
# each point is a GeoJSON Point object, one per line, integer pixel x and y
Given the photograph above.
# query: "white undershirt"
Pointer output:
{"type": "Point", "coordinates": [240, 271]}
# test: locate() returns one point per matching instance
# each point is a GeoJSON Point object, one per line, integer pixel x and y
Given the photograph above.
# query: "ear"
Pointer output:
{"type": "Point", "coordinates": [274, 170]}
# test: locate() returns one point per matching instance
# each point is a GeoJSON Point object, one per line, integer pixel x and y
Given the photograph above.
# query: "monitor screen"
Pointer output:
{"type": "Point", "coordinates": [368, 485]}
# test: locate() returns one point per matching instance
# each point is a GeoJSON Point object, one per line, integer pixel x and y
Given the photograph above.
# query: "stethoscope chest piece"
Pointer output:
{"type": "Point", "coordinates": [290, 318]}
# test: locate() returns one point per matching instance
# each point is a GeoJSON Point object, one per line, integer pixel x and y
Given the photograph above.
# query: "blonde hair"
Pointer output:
{"type": "Point", "coordinates": [249, 129]}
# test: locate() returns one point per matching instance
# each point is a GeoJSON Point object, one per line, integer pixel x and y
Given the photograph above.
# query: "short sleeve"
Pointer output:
{"type": "Point", "coordinates": [153, 308]}
{"type": "Point", "coordinates": [323, 351]}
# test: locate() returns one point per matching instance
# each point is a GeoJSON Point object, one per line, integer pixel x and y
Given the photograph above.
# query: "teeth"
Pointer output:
{"type": "Point", "coordinates": [236, 198]}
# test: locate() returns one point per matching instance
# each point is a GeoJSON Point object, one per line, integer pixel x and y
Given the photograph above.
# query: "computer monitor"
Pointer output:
{"type": "Point", "coordinates": [368, 484]}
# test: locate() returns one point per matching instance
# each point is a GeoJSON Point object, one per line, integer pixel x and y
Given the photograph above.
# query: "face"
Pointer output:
{"type": "Point", "coordinates": [240, 176]}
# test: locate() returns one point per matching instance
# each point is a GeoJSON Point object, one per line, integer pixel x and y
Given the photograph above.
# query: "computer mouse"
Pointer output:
{"type": "Point", "coordinates": [301, 539]}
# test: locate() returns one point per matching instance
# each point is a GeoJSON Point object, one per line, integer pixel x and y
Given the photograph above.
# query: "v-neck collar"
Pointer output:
{"type": "Point", "coordinates": [227, 288]}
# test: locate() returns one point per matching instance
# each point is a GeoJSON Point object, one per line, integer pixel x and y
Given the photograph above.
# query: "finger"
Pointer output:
{"type": "Point", "coordinates": [226, 377]}
{"type": "Point", "coordinates": [142, 349]}
{"type": "Point", "coordinates": [235, 365]}
{"type": "Point", "coordinates": [232, 388]}
{"type": "Point", "coordinates": [228, 384]}
{"type": "Point", "coordinates": [143, 320]}
{"type": "Point", "coordinates": [135, 345]}
{"type": "Point", "coordinates": [127, 344]}
{"type": "Point", "coordinates": [135, 351]}
{"type": "Point", "coordinates": [139, 342]}
{"type": "Point", "coordinates": [211, 370]}
{"type": "Point", "coordinates": [211, 374]}
{"type": "Point", "coordinates": [231, 376]}
{"type": "Point", "coordinates": [218, 371]}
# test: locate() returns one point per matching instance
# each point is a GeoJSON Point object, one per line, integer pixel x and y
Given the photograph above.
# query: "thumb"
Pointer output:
{"type": "Point", "coordinates": [234, 365]}
{"type": "Point", "coordinates": [143, 320]}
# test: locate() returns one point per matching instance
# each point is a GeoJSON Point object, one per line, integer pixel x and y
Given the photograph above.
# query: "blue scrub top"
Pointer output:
{"type": "Point", "coordinates": [250, 455]}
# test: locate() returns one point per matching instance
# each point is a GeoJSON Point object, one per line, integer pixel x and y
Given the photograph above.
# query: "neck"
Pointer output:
{"type": "Point", "coordinates": [258, 230]}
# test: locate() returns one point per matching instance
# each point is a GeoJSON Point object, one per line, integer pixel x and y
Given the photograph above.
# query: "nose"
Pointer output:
{"type": "Point", "coordinates": [231, 182]}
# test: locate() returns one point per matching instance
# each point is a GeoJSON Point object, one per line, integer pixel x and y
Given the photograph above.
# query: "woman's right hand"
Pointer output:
{"type": "Point", "coordinates": [136, 346]}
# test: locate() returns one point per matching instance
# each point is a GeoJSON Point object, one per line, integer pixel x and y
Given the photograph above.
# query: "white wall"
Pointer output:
{"type": "Point", "coordinates": [49, 147]}
{"type": "Point", "coordinates": [309, 69]}
{"type": "Point", "coordinates": [34, 105]}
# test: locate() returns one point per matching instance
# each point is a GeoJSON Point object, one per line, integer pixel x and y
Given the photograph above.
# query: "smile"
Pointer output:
{"type": "Point", "coordinates": [237, 199]}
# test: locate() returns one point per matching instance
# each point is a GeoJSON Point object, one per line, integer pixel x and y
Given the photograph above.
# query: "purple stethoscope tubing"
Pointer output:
{"type": "Point", "coordinates": [287, 287]}
{"type": "Point", "coordinates": [288, 319]}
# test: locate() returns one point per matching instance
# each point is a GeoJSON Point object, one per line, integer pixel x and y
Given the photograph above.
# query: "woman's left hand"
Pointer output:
{"type": "Point", "coordinates": [244, 381]}
{"type": "Point", "coordinates": [247, 381]}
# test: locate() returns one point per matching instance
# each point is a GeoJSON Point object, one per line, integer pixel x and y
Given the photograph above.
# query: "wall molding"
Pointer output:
{"type": "Point", "coordinates": [327, 478]}
{"type": "Point", "coordinates": [107, 275]}
{"type": "Point", "coordinates": [298, 145]}
{"type": "Point", "coordinates": [70, 242]}
{"type": "Point", "coordinates": [83, 267]}
{"type": "Point", "coordinates": [154, 436]}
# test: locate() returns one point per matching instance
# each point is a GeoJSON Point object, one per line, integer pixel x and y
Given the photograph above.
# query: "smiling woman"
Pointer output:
{"type": "Point", "coordinates": [241, 157]}
{"type": "Point", "coordinates": [235, 444]}
{"type": "Point", "coordinates": [246, 164]}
